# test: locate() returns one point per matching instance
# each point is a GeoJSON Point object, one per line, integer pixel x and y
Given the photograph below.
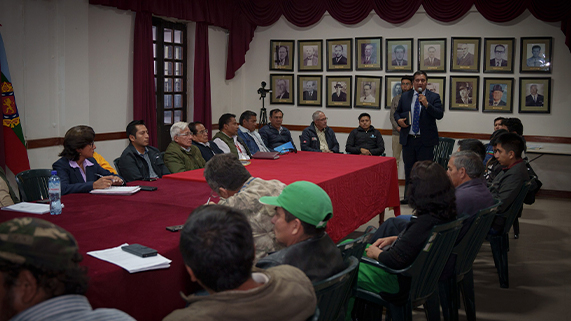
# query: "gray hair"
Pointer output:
{"type": "Point", "coordinates": [177, 127]}
{"type": "Point", "coordinates": [316, 115]}
{"type": "Point", "coordinates": [226, 171]}
{"type": "Point", "coordinates": [471, 161]}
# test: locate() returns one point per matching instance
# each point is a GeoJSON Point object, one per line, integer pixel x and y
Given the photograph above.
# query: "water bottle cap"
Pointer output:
{"type": "Point", "coordinates": [54, 172]}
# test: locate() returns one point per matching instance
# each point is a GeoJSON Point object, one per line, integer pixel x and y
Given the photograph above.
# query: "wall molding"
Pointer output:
{"type": "Point", "coordinates": [58, 141]}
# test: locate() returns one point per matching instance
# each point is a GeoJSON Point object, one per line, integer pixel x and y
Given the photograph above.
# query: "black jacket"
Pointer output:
{"type": "Point", "coordinates": [208, 152]}
{"type": "Point", "coordinates": [133, 167]}
{"type": "Point", "coordinates": [370, 139]}
{"type": "Point", "coordinates": [310, 141]}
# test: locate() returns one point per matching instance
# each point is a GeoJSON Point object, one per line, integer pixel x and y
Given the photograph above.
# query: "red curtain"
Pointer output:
{"type": "Point", "coordinates": [143, 74]}
{"type": "Point", "coordinates": [202, 103]}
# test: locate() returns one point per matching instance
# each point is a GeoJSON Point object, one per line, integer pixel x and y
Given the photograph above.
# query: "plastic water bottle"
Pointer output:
{"type": "Point", "coordinates": [54, 185]}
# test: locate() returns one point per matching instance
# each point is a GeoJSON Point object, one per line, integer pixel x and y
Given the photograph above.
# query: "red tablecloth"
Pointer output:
{"type": "Point", "coordinates": [360, 187]}
{"type": "Point", "coordinates": [104, 221]}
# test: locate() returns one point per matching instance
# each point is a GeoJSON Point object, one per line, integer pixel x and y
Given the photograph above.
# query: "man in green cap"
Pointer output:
{"type": "Point", "coordinates": [303, 210]}
{"type": "Point", "coordinates": [40, 276]}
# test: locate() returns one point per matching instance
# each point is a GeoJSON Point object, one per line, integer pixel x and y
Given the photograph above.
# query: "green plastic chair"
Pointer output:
{"type": "Point", "coordinates": [463, 278]}
{"type": "Point", "coordinates": [500, 243]}
{"type": "Point", "coordinates": [334, 292]}
{"type": "Point", "coordinates": [116, 164]}
{"type": "Point", "coordinates": [424, 272]}
{"type": "Point", "coordinates": [357, 246]}
{"type": "Point", "coordinates": [443, 150]}
{"type": "Point", "coordinates": [33, 184]}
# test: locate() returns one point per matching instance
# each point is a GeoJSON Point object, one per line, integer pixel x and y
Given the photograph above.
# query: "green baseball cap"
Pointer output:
{"type": "Point", "coordinates": [38, 243]}
{"type": "Point", "coordinates": [304, 200]}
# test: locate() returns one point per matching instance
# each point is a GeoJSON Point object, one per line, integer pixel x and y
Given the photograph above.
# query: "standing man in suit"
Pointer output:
{"type": "Point", "coordinates": [338, 58]}
{"type": "Point", "coordinates": [369, 58]}
{"type": "Point", "coordinates": [497, 93]}
{"type": "Point", "coordinates": [465, 58]}
{"type": "Point", "coordinates": [431, 61]}
{"type": "Point", "coordinates": [499, 61]}
{"type": "Point", "coordinates": [310, 93]}
{"type": "Point", "coordinates": [534, 99]}
{"type": "Point", "coordinates": [419, 136]}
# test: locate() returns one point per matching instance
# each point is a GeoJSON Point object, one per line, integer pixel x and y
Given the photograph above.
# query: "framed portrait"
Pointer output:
{"type": "Point", "coordinates": [309, 90]}
{"type": "Point", "coordinates": [283, 89]}
{"type": "Point", "coordinates": [438, 85]}
{"type": "Point", "coordinates": [499, 55]}
{"type": "Point", "coordinates": [281, 54]}
{"type": "Point", "coordinates": [465, 54]}
{"type": "Point", "coordinates": [535, 55]}
{"type": "Point", "coordinates": [535, 95]}
{"type": "Point", "coordinates": [368, 53]}
{"type": "Point", "coordinates": [399, 57]}
{"type": "Point", "coordinates": [339, 91]}
{"type": "Point", "coordinates": [368, 92]}
{"type": "Point", "coordinates": [339, 54]}
{"type": "Point", "coordinates": [432, 55]}
{"type": "Point", "coordinates": [392, 89]}
{"type": "Point", "coordinates": [309, 56]}
{"type": "Point", "coordinates": [464, 93]}
{"type": "Point", "coordinates": [498, 95]}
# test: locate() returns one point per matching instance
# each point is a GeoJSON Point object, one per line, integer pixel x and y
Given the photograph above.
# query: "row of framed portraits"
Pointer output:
{"type": "Point", "coordinates": [499, 55]}
{"type": "Point", "coordinates": [497, 94]}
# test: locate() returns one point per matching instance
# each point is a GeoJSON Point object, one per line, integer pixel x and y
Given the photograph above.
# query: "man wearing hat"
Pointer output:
{"type": "Point", "coordinates": [40, 275]}
{"type": "Point", "coordinates": [303, 210]}
{"type": "Point", "coordinates": [497, 93]}
{"type": "Point", "coordinates": [338, 95]}
{"type": "Point", "coordinates": [464, 94]}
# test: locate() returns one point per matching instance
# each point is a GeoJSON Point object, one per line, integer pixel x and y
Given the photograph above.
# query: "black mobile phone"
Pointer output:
{"type": "Point", "coordinates": [174, 228]}
{"type": "Point", "coordinates": [147, 188]}
{"type": "Point", "coordinates": [139, 250]}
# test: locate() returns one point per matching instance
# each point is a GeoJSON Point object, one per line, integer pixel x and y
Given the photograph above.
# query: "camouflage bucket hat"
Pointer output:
{"type": "Point", "coordinates": [38, 243]}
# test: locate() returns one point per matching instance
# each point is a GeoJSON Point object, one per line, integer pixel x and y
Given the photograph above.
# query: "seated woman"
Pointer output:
{"type": "Point", "coordinates": [365, 139]}
{"type": "Point", "coordinates": [78, 171]}
{"type": "Point", "coordinates": [431, 195]}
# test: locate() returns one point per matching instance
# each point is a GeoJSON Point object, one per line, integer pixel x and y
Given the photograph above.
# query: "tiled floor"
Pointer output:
{"type": "Point", "coordinates": [539, 268]}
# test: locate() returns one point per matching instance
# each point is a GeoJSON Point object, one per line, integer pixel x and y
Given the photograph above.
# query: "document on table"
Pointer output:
{"type": "Point", "coordinates": [131, 262]}
{"type": "Point", "coordinates": [117, 190]}
{"type": "Point", "coordinates": [26, 207]}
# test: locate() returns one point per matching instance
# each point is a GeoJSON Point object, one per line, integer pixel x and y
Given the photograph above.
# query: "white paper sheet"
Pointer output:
{"type": "Point", "coordinates": [131, 262]}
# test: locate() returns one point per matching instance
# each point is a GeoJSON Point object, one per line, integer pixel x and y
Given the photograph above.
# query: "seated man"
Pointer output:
{"type": "Point", "coordinates": [474, 145]}
{"type": "Point", "coordinates": [42, 278]}
{"type": "Point", "coordinates": [507, 184]}
{"type": "Point", "coordinates": [181, 155]}
{"type": "Point", "coordinates": [200, 140]}
{"type": "Point", "coordinates": [274, 134]}
{"type": "Point", "coordinates": [218, 251]}
{"type": "Point", "coordinates": [498, 124]}
{"type": "Point", "coordinates": [318, 137]}
{"type": "Point", "coordinates": [365, 139]}
{"type": "Point", "coordinates": [247, 131]}
{"type": "Point", "coordinates": [139, 160]}
{"type": "Point", "coordinates": [303, 210]}
{"type": "Point", "coordinates": [227, 138]}
{"type": "Point", "coordinates": [238, 189]}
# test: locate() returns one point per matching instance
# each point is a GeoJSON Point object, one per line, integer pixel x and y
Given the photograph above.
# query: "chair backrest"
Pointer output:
{"type": "Point", "coordinates": [333, 293]}
{"type": "Point", "coordinates": [428, 265]}
{"type": "Point", "coordinates": [468, 248]}
{"type": "Point", "coordinates": [511, 213]}
{"type": "Point", "coordinates": [116, 164]}
{"type": "Point", "coordinates": [443, 150]}
{"type": "Point", "coordinates": [357, 246]}
{"type": "Point", "coordinates": [33, 184]}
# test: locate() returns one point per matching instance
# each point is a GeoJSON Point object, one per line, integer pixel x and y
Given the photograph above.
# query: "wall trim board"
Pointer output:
{"type": "Point", "coordinates": [58, 141]}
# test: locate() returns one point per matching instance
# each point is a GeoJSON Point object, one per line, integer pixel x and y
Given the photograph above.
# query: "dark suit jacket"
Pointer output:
{"type": "Point", "coordinates": [306, 95]}
{"type": "Point", "coordinates": [459, 100]}
{"type": "Point", "coordinates": [529, 100]}
{"type": "Point", "coordinates": [284, 96]}
{"type": "Point", "coordinates": [373, 60]}
{"type": "Point", "coordinates": [286, 61]}
{"type": "Point", "coordinates": [428, 117]}
{"type": "Point", "coordinates": [395, 63]}
{"type": "Point", "coordinates": [342, 97]}
{"type": "Point", "coordinates": [342, 61]}
{"type": "Point", "coordinates": [435, 62]}
{"type": "Point", "coordinates": [501, 103]}
{"type": "Point", "coordinates": [71, 178]}
{"type": "Point", "coordinates": [503, 63]}
{"type": "Point", "coordinates": [208, 152]}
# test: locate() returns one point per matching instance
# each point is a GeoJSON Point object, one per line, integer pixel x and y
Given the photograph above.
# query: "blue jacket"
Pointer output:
{"type": "Point", "coordinates": [272, 137]}
{"type": "Point", "coordinates": [208, 152]}
{"type": "Point", "coordinates": [71, 178]}
{"type": "Point", "coordinates": [310, 141]}
{"type": "Point", "coordinates": [428, 117]}
{"type": "Point", "coordinates": [250, 142]}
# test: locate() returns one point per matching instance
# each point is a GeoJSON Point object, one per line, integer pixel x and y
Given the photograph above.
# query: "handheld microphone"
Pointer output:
{"type": "Point", "coordinates": [419, 90]}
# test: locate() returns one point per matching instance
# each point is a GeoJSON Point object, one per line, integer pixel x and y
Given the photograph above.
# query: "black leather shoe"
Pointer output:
{"type": "Point", "coordinates": [404, 201]}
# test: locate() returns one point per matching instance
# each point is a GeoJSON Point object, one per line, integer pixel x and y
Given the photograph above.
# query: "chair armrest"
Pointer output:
{"type": "Point", "coordinates": [378, 264]}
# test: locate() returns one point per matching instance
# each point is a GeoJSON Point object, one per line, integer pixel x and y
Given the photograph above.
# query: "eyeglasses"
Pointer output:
{"type": "Point", "coordinates": [323, 119]}
{"type": "Point", "coordinates": [499, 51]}
{"type": "Point", "coordinates": [185, 134]}
{"type": "Point", "coordinates": [203, 132]}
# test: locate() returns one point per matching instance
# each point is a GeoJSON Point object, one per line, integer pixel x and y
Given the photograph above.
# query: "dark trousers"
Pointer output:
{"type": "Point", "coordinates": [412, 152]}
